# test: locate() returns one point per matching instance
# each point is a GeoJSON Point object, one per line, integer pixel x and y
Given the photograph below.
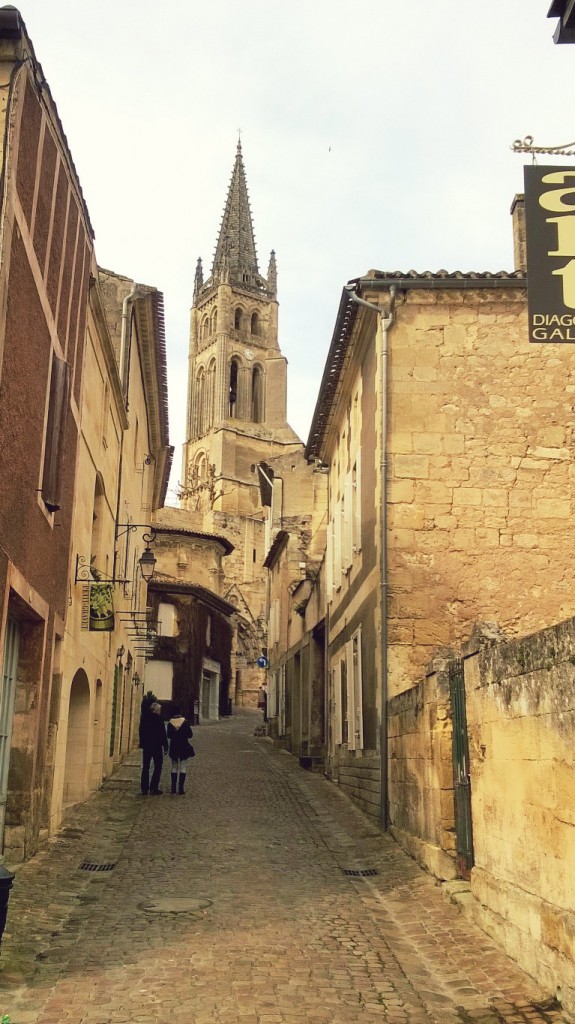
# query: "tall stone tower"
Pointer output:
{"type": "Point", "coordinates": [236, 414]}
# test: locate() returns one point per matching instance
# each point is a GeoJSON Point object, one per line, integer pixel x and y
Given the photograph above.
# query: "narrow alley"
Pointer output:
{"type": "Point", "coordinates": [261, 897]}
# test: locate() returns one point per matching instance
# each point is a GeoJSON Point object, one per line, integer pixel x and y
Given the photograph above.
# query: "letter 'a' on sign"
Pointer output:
{"type": "Point", "coordinates": [550, 238]}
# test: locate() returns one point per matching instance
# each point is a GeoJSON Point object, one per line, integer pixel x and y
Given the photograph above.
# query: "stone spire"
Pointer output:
{"type": "Point", "coordinates": [273, 273]}
{"type": "Point", "coordinates": [236, 247]}
{"type": "Point", "coordinates": [198, 278]}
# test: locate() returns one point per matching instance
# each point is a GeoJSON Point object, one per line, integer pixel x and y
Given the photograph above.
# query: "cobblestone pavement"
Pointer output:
{"type": "Point", "coordinates": [231, 905]}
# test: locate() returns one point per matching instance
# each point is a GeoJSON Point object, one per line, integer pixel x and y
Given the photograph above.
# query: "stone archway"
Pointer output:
{"type": "Point", "coordinates": [77, 739]}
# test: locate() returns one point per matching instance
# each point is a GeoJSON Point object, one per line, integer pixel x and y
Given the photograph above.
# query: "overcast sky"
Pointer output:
{"type": "Point", "coordinates": [374, 136]}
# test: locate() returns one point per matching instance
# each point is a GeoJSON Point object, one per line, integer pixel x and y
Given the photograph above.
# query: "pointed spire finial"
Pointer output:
{"type": "Point", "coordinates": [198, 277]}
{"type": "Point", "coordinates": [236, 247]}
{"type": "Point", "coordinates": [273, 273]}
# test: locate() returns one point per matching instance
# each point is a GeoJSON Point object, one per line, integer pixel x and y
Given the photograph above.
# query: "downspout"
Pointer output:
{"type": "Point", "coordinates": [126, 305]}
{"type": "Point", "coordinates": [124, 336]}
{"type": "Point", "coordinates": [386, 321]}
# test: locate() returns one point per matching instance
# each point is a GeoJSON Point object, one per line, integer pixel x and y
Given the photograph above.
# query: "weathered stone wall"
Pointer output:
{"type": "Point", "coordinates": [421, 809]}
{"type": "Point", "coordinates": [481, 459]}
{"type": "Point", "coordinates": [521, 716]}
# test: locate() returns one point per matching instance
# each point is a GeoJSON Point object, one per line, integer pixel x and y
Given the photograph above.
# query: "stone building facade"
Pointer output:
{"type": "Point", "coordinates": [236, 414]}
{"type": "Point", "coordinates": [465, 437]}
{"type": "Point", "coordinates": [294, 496]}
{"type": "Point", "coordinates": [45, 265]}
{"type": "Point", "coordinates": [192, 663]}
{"type": "Point", "coordinates": [83, 449]}
{"type": "Point", "coordinates": [122, 474]}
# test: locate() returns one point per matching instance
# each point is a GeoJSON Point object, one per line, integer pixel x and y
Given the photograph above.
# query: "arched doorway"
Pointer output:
{"type": "Point", "coordinates": [77, 739]}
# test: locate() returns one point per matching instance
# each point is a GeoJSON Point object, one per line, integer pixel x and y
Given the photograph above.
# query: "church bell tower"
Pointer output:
{"type": "Point", "coordinates": [237, 380]}
{"type": "Point", "coordinates": [236, 411]}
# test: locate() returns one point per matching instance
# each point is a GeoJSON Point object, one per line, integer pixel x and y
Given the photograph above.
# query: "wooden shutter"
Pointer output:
{"type": "Point", "coordinates": [55, 434]}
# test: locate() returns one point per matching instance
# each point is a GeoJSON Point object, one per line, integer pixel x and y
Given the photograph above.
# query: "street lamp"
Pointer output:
{"type": "Point", "coordinates": [147, 564]}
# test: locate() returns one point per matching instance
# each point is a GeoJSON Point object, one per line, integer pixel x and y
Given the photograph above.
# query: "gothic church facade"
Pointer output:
{"type": "Point", "coordinates": [236, 417]}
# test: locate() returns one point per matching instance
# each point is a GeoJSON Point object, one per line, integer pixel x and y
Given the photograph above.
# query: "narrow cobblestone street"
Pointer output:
{"type": "Point", "coordinates": [232, 904]}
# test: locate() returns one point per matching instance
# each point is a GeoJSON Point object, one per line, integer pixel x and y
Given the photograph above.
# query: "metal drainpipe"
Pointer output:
{"type": "Point", "coordinates": [386, 320]}
{"type": "Point", "coordinates": [124, 332]}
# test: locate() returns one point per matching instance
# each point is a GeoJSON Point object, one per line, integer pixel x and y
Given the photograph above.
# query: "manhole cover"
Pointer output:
{"type": "Point", "coordinates": [175, 905]}
{"type": "Point", "coordinates": [359, 873]}
{"type": "Point", "coordinates": [89, 865]}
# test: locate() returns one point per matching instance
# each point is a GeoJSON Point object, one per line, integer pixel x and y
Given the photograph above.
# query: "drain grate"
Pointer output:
{"type": "Point", "coordinates": [89, 865]}
{"type": "Point", "coordinates": [366, 873]}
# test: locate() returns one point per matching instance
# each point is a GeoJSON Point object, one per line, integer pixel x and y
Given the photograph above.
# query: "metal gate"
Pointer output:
{"type": "Point", "coordinates": [7, 695]}
{"type": "Point", "coordinates": [461, 778]}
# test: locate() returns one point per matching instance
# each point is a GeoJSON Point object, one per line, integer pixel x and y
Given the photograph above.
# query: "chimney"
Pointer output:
{"type": "Point", "coordinates": [519, 241]}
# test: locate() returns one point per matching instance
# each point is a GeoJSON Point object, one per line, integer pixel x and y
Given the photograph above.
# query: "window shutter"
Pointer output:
{"type": "Point", "coordinates": [358, 688]}
{"type": "Point", "coordinates": [55, 434]}
{"type": "Point", "coordinates": [350, 695]}
{"type": "Point", "coordinates": [337, 547]}
{"type": "Point", "coordinates": [336, 682]}
{"type": "Point", "coordinates": [329, 561]}
{"type": "Point", "coordinates": [357, 503]}
{"type": "Point", "coordinates": [347, 525]}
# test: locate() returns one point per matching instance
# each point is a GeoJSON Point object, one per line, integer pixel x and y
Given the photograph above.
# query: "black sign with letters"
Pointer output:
{"type": "Point", "coordinates": [550, 236]}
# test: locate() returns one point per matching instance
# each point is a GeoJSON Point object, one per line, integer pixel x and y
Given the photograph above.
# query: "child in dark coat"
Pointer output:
{"type": "Point", "coordinates": [180, 749]}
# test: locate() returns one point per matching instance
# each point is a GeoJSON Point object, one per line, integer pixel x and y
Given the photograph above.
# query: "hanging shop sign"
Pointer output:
{"type": "Point", "coordinates": [550, 238]}
{"type": "Point", "coordinates": [101, 607]}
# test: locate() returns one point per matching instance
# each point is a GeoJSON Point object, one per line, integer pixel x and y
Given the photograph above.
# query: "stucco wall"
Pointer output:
{"type": "Point", "coordinates": [521, 716]}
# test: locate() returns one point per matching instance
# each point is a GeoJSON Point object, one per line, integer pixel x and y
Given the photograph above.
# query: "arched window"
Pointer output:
{"type": "Point", "coordinates": [214, 321]}
{"type": "Point", "coordinates": [233, 389]}
{"type": "Point", "coordinates": [205, 327]}
{"type": "Point", "coordinates": [201, 466]}
{"type": "Point", "coordinates": [97, 522]}
{"type": "Point", "coordinates": [255, 324]}
{"type": "Point", "coordinates": [200, 390]}
{"type": "Point", "coordinates": [257, 395]}
{"type": "Point", "coordinates": [238, 319]}
{"type": "Point", "coordinates": [211, 394]}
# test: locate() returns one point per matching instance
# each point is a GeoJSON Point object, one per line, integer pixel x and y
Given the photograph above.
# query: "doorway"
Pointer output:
{"type": "Point", "coordinates": [7, 695]}
{"type": "Point", "coordinates": [77, 739]}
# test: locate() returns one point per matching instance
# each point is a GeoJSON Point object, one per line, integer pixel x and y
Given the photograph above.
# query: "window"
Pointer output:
{"type": "Point", "coordinates": [257, 395]}
{"type": "Point", "coordinates": [238, 319]}
{"type": "Point", "coordinates": [97, 522]}
{"type": "Point", "coordinates": [55, 434]}
{"type": "Point", "coordinates": [354, 692]}
{"type": "Point", "coordinates": [255, 324]}
{"type": "Point", "coordinates": [200, 397]}
{"type": "Point", "coordinates": [233, 393]}
{"type": "Point", "coordinates": [210, 394]}
{"type": "Point", "coordinates": [166, 619]}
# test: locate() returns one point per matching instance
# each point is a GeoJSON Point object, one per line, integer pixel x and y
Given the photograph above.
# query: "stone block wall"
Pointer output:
{"type": "Point", "coordinates": [421, 807]}
{"type": "Point", "coordinates": [521, 716]}
{"type": "Point", "coordinates": [481, 454]}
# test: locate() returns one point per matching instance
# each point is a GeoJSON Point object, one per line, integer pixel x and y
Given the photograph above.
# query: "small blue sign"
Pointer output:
{"type": "Point", "coordinates": [263, 662]}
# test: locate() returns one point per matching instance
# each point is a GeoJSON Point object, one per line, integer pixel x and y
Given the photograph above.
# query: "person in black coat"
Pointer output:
{"type": "Point", "coordinates": [154, 745]}
{"type": "Point", "coordinates": [179, 736]}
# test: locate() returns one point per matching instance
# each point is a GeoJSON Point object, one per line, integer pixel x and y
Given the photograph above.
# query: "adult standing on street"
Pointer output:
{"type": "Point", "coordinates": [154, 745]}
{"type": "Point", "coordinates": [263, 700]}
{"type": "Point", "coordinates": [179, 736]}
